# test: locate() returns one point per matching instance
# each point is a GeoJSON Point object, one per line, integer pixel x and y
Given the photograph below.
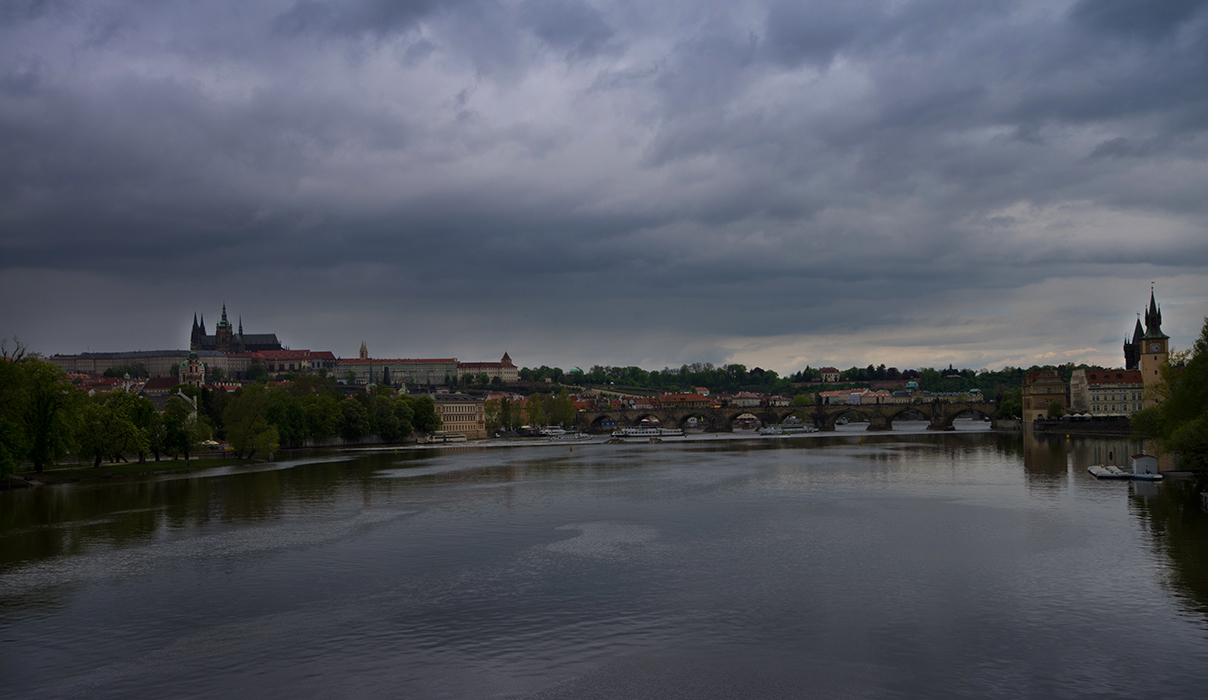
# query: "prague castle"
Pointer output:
{"type": "Point", "coordinates": [227, 340]}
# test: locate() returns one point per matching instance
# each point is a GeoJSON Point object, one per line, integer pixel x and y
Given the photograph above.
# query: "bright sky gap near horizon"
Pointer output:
{"type": "Point", "coordinates": [607, 182]}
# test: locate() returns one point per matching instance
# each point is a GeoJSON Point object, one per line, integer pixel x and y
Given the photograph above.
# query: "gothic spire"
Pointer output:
{"type": "Point", "coordinates": [1153, 319]}
{"type": "Point", "coordinates": [241, 324]}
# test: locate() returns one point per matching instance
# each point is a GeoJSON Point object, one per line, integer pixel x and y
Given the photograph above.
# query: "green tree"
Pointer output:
{"type": "Point", "coordinates": [92, 438]}
{"type": "Point", "coordinates": [184, 427]}
{"type": "Point", "coordinates": [323, 417]}
{"type": "Point", "coordinates": [1011, 404]}
{"type": "Point", "coordinates": [1056, 410]}
{"type": "Point", "coordinates": [284, 411]}
{"type": "Point", "coordinates": [424, 417]}
{"type": "Point", "coordinates": [356, 419]}
{"type": "Point", "coordinates": [106, 429]}
{"type": "Point", "coordinates": [405, 416]}
{"type": "Point", "coordinates": [385, 419]}
{"type": "Point", "coordinates": [534, 410]}
{"type": "Point", "coordinates": [256, 372]}
{"type": "Point", "coordinates": [506, 419]}
{"type": "Point", "coordinates": [560, 409]}
{"type": "Point", "coordinates": [491, 416]}
{"type": "Point", "coordinates": [127, 416]}
{"type": "Point", "coordinates": [51, 408]}
{"type": "Point", "coordinates": [14, 442]}
{"type": "Point", "coordinates": [247, 425]}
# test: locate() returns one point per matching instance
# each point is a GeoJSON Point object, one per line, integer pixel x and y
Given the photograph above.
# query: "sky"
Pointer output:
{"type": "Point", "coordinates": [617, 182]}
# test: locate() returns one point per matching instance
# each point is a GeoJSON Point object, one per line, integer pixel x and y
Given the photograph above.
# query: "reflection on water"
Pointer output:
{"type": "Point", "coordinates": [959, 564]}
{"type": "Point", "coordinates": [1178, 525]}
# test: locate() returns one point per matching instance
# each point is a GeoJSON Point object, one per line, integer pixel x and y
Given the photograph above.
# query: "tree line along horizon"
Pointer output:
{"type": "Point", "coordinates": [44, 418]}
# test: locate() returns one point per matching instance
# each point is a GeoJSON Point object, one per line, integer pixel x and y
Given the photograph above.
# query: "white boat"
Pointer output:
{"type": "Point", "coordinates": [647, 432]}
{"type": "Point", "coordinates": [787, 430]}
{"type": "Point", "coordinates": [560, 434]}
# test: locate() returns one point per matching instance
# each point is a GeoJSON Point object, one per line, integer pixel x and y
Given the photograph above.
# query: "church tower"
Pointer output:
{"type": "Point", "coordinates": [364, 351]}
{"type": "Point", "coordinates": [222, 333]}
{"type": "Point", "coordinates": [1155, 349]}
{"type": "Point", "coordinates": [1132, 348]}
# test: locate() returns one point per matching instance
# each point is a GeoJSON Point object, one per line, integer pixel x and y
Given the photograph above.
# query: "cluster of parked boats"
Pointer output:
{"type": "Point", "coordinates": [1144, 467]}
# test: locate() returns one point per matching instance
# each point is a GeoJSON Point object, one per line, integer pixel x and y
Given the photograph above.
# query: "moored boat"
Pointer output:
{"type": "Point", "coordinates": [647, 432]}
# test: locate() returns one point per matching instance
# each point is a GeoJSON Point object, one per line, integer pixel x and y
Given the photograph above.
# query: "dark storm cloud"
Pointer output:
{"type": "Point", "coordinates": [574, 27]}
{"type": "Point", "coordinates": [1146, 21]}
{"type": "Point", "coordinates": [356, 17]}
{"type": "Point", "coordinates": [696, 178]}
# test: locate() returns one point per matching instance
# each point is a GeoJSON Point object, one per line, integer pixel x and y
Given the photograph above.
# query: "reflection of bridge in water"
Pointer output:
{"type": "Point", "coordinates": [721, 419]}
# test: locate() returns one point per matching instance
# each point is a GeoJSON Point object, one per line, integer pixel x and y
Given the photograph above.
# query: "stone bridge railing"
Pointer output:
{"type": "Point", "coordinates": [721, 419]}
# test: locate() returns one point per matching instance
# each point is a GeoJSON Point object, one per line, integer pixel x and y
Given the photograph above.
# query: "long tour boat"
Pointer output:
{"type": "Point", "coordinates": [647, 432]}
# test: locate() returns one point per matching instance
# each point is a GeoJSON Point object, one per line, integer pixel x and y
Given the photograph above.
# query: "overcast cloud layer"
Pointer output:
{"type": "Point", "coordinates": [607, 181]}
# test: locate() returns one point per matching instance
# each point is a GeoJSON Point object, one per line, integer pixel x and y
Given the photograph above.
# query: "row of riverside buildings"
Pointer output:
{"type": "Point", "coordinates": [1105, 393]}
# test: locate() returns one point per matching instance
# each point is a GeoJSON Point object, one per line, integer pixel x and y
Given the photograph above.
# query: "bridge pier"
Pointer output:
{"type": "Point", "coordinates": [879, 422]}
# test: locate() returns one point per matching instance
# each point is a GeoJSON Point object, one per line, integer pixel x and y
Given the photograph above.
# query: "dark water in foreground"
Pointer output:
{"type": "Point", "coordinates": [956, 565]}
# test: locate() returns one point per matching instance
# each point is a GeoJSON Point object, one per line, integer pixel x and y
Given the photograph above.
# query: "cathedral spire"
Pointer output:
{"type": "Point", "coordinates": [240, 325]}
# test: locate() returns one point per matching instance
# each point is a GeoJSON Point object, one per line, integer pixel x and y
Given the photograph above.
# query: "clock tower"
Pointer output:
{"type": "Point", "coordinates": [1155, 347]}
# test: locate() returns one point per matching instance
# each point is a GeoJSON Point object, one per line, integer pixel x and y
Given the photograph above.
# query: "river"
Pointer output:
{"type": "Point", "coordinates": [852, 565]}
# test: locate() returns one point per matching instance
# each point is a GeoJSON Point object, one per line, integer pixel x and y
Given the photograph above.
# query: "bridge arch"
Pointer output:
{"type": "Point", "coordinates": [603, 423]}
{"type": "Point", "coordinates": [705, 418]}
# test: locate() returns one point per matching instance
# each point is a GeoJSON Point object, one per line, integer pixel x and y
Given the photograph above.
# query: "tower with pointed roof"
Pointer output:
{"type": "Point", "coordinates": [1155, 350]}
{"type": "Point", "coordinates": [1132, 348]}
{"type": "Point", "coordinates": [223, 333]}
{"type": "Point", "coordinates": [364, 351]}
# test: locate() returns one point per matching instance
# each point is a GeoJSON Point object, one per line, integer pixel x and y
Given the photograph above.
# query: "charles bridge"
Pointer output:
{"type": "Point", "coordinates": [822, 416]}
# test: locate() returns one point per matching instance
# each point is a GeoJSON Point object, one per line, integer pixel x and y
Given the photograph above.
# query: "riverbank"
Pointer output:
{"type": "Point", "coordinates": [1116, 427]}
{"type": "Point", "coordinates": [75, 473]}
{"type": "Point", "coordinates": [80, 472]}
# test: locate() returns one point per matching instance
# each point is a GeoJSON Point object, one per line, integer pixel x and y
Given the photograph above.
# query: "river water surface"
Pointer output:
{"type": "Point", "coordinates": [967, 564]}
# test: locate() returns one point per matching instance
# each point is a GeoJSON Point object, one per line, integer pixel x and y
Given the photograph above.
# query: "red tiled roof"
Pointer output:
{"type": "Point", "coordinates": [1113, 376]}
{"type": "Point", "coordinates": [160, 383]}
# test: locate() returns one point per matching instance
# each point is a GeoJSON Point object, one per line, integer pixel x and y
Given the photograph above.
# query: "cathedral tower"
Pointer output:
{"type": "Point", "coordinates": [222, 333]}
